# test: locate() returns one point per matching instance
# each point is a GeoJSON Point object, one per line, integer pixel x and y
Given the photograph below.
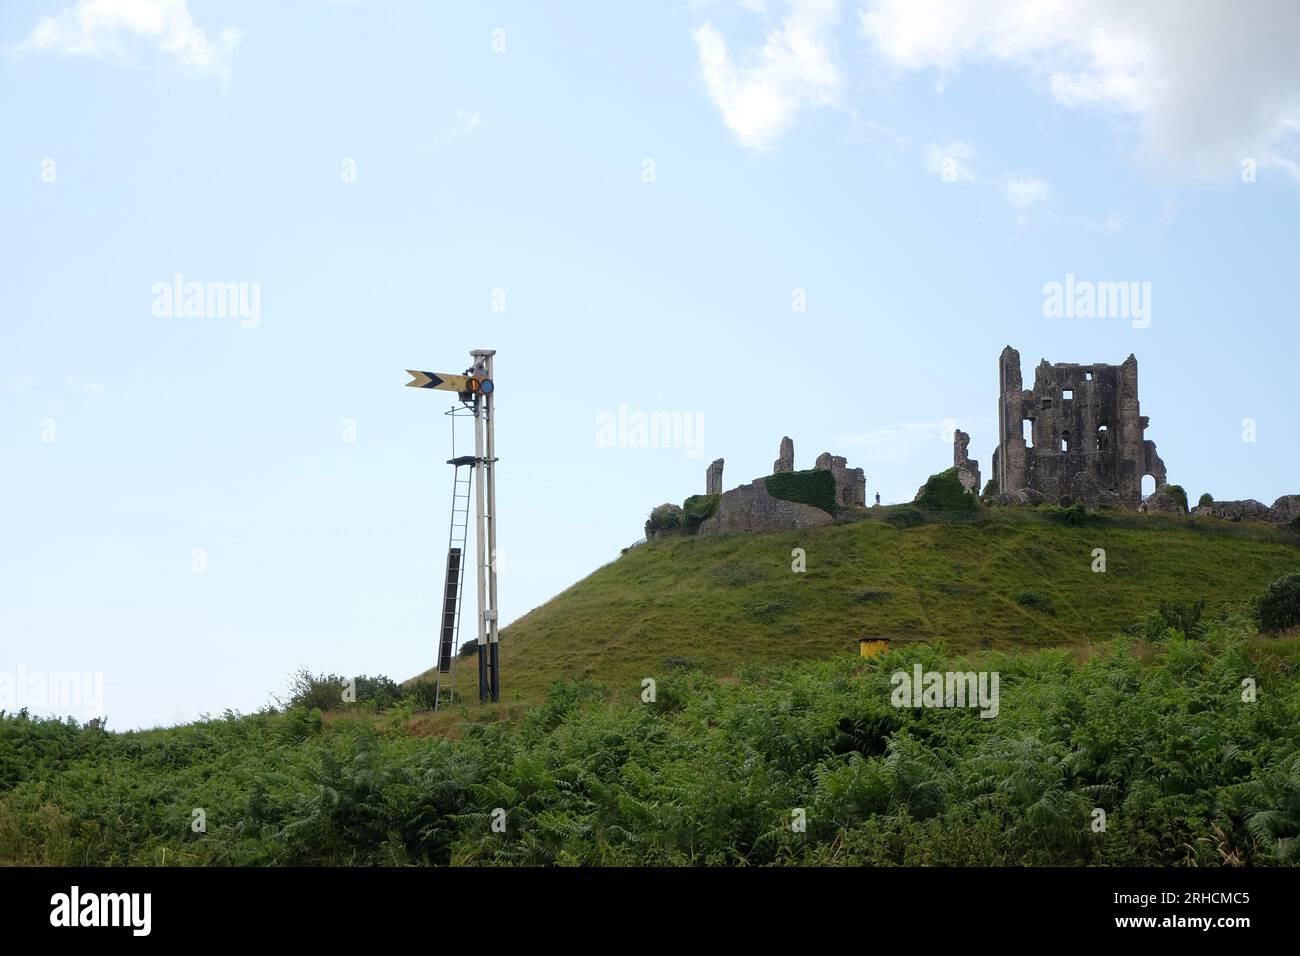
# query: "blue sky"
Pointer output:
{"type": "Point", "coordinates": [626, 201]}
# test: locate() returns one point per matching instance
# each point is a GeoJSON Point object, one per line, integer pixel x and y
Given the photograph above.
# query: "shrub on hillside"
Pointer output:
{"type": "Point", "coordinates": [1279, 606]}
{"type": "Point", "coordinates": [814, 487]}
{"type": "Point", "coordinates": [1205, 500]}
{"type": "Point", "coordinates": [768, 611]}
{"type": "Point", "coordinates": [319, 691]}
{"type": "Point", "coordinates": [1075, 515]}
{"type": "Point", "coordinates": [1181, 616]}
{"type": "Point", "coordinates": [423, 694]}
{"type": "Point", "coordinates": [326, 691]}
{"type": "Point", "coordinates": [299, 723]}
{"type": "Point", "coordinates": [383, 692]}
{"type": "Point", "coordinates": [696, 510]}
{"type": "Point", "coordinates": [664, 518]}
{"type": "Point", "coordinates": [944, 492]}
{"type": "Point", "coordinates": [1036, 600]}
{"type": "Point", "coordinates": [1184, 616]}
{"type": "Point", "coordinates": [1294, 524]}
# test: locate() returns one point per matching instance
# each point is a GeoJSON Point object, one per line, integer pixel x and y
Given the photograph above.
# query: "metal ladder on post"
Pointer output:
{"type": "Point", "coordinates": [454, 582]}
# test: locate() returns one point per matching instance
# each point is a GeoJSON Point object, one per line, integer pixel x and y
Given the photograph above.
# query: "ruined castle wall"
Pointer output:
{"type": "Point", "coordinates": [751, 508]}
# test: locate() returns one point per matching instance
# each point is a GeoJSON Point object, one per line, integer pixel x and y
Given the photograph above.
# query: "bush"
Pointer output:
{"type": "Point", "coordinates": [696, 510]}
{"type": "Point", "coordinates": [1075, 515]}
{"type": "Point", "coordinates": [814, 487]}
{"type": "Point", "coordinates": [325, 691]}
{"type": "Point", "coordinates": [1151, 627]}
{"type": "Point", "coordinates": [1279, 606]}
{"type": "Point", "coordinates": [381, 691]}
{"type": "Point", "coordinates": [1036, 600]}
{"type": "Point", "coordinates": [299, 723]}
{"type": "Point", "coordinates": [664, 518]}
{"type": "Point", "coordinates": [319, 691]}
{"type": "Point", "coordinates": [1205, 500]}
{"type": "Point", "coordinates": [1178, 494]}
{"type": "Point", "coordinates": [768, 611]}
{"type": "Point", "coordinates": [423, 693]}
{"type": "Point", "coordinates": [1185, 617]}
{"type": "Point", "coordinates": [944, 492]}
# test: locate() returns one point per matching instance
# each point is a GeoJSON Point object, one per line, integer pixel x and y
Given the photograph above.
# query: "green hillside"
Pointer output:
{"type": "Point", "coordinates": [1000, 580]}
{"type": "Point", "coordinates": [1161, 730]}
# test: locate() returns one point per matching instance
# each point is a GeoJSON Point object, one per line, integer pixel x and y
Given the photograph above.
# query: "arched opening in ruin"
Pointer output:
{"type": "Point", "coordinates": [1102, 435]}
{"type": "Point", "coordinates": [1148, 486]}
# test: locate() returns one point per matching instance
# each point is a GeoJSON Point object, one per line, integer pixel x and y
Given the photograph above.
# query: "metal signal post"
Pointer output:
{"type": "Point", "coordinates": [475, 389]}
{"type": "Point", "coordinates": [489, 659]}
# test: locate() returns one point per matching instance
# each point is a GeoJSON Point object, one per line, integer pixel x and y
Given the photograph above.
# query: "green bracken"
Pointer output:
{"type": "Point", "coordinates": [709, 772]}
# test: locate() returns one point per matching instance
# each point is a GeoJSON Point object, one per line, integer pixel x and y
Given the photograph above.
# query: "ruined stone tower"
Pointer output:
{"type": "Point", "coordinates": [785, 457]}
{"type": "Point", "coordinates": [1085, 439]}
{"type": "Point", "coordinates": [713, 478]}
{"type": "Point", "coordinates": [968, 469]}
{"type": "Point", "coordinates": [850, 483]}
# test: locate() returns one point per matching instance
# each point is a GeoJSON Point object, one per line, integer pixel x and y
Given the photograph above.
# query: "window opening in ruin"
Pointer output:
{"type": "Point", "coordinates": [1027, 432]}
{"type": "Point", "coordinates": [1068, 394]}
{"type": "Point", "coordinates": [1101, 437]}
{"type": "Point", "coordinates": [1065, 441]}
{"type": "Point", "coordinates": [1087, 376]}
{"type": "Point", "coordinates": [1148, 486]}
{"type": "Point", "coordinates": [1047, 403]}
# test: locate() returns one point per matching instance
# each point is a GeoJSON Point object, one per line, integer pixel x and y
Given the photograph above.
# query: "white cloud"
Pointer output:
{"type": "Point", "coordinates": [951, 163]}
{"type": "Point", "coordinates": [900, 442]}
{"type": "Point", "coordinates": [466, 123]}
{"type": "Point", "coordinates": [1212, 83]}
{"type": "Point", "coordinates": [18, 383]}
{"type": "Point", "coordinates": [760, 98]}
{"type": "Point", "coordinates": [110, 29]}
{"type": "Point", "coordinates": [1023, 193]}
{"type": "Point", "coordinates": [1113, 222]}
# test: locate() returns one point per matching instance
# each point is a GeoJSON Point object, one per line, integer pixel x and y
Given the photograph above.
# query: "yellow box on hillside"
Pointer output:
{"type": "Point", "coordinates": [871, 646]}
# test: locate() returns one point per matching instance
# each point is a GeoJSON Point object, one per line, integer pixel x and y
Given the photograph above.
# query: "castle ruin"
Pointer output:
{"type": "Point", "coordinates": [850, 483]}
{"type": "Point", "coordinates": [1077, 435]}
{"type": "Point", "coordinates": [713, 478]}
{"type": "Point", "coordinates": [968, 470]}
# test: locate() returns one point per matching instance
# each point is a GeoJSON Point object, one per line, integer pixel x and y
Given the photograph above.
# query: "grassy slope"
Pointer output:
{"type": "Point", "coordinates": [723, 602]}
